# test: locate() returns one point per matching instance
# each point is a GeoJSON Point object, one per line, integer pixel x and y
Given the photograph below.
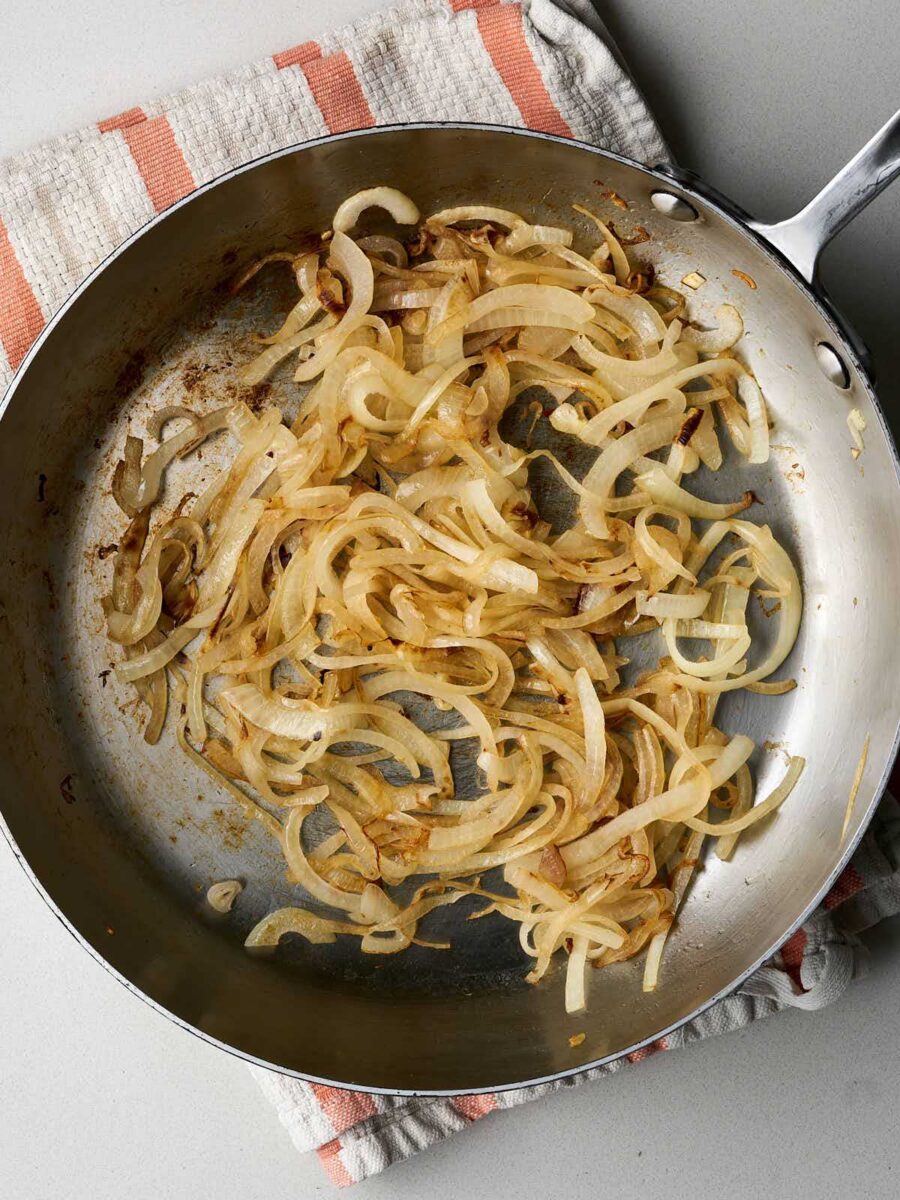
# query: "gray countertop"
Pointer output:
{"type": "Point", "coordinates": [101, 1096]}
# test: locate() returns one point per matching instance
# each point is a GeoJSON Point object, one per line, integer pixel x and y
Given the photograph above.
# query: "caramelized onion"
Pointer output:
{"type": "Point", "coordinates": [358, 594]}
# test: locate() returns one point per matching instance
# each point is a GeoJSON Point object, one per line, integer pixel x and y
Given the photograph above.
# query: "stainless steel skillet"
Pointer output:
{"type": "Point", "coordinates": [123, 839]}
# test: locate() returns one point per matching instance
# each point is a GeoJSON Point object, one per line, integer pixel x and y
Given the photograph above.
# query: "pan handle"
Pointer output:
{"type": "Point", "coordinates": [801, 238]}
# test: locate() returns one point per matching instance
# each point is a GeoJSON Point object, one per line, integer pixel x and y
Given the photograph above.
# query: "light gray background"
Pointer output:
{"type": "Point", "coordinates": [99, 1096]}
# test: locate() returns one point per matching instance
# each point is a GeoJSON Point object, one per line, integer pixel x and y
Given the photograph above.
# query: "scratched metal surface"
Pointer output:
{"type": "Point", "coordinates": [134, 835]}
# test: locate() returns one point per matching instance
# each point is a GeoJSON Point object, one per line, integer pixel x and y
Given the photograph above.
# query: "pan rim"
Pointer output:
{"type": "Point", "coordinates": [698, 195]}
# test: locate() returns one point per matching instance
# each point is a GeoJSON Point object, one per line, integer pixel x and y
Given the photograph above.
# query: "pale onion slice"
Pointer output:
{"type": "Point", "coordinates": [157, 658]}
{"type": "Point", "coordinates": [713, 341]}
{"type": "Point", "coordinates": [523, 237]}
{"type": "Point", "coordinates": [399, 205]}
{"type": "Point", "coordinates": [760, 811]}
{"type": "Point", "coordinates": [637, 312]}
{"type": "Point", "coordinates": [306, 875]}
{"type": "Point", "coordinates": [776, 566]}
{"type": "Point", "coordinates": [435, 391]}
{"type": "Point", "coordinates": [221, 896]}
{"type": "Point", "coordinates": [172, 412]}
{"type": "Point", "coordinates": [664, 491]}
{"type": "Point", "coordinates": [594, 725]}
{"type": "Point", "coordinates": [598, 428]}
{"type": "Point", "coordinates": [476, 212]}
{"type": "Point", "coordinates": [626, 375]}
{"type": "Point", "coordinates": [754, 403]}
{"type": "Point", "coordinates": [667, 604]}
{"type": "Point", "coordinates": [679, 802]}
{"type": "Point", "coordinates": [616, 458]}
{"type": "Point", "coordinates": [318, 930]}
{"type": "Point", "coordinates": [475, 834]}
{"type": "Point", "coordinates": [856, 423]}
{"type": "Point", "coordinates": [352, 604]}
{"type": "Point", "coordinates": [576, 999]}
{"type": "Point", "coordinates": [300, 720]}
{"type": "Point", "coordinates": [383, 246]}
{"type": "Point", "coordinates": [614, 248]}
{"type": "Point", "coordinates": [721, 663]}
{"type": "Point", "coordinates": [744, 802]}
{"type": "Point", "coordinates": [351, 264]}
{"type": "Point", "coordinates": [545, 341]}
{"type": "Point", "coordinates": [299, 316]}
{"type": "Point", "coordinates": [514, 317]}
{"type": "Point", "coordinates": [261, 366]}
{"type": "Point", "coordinates": [550, 665]}
{"type": "Point", "coordinates": [443, 339]}
{"type": "Point", "coordinates": [397, 681]}
{"type": "Point", "coordinates": [148, 483]}
{"type": "Point", "coordinates": [391, 298]}
{"type": "Point", "coordinates": [526, 296]}
{"type": "Point", "coordinates": [503, 270]}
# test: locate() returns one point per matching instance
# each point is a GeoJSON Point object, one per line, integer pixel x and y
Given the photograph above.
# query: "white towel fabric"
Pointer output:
{"type": "Point", "coordinates": [66, 204]}
{"type": "Point", "coordinates": [357, 1135]}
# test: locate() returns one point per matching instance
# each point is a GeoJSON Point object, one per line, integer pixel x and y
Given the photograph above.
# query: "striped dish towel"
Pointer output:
{"type": "Point", "coordinates": [66, 204]}
{"type": "Point", "coordinates": [357, 1135]}
{"type": "Point", "coordinates": [540, 64]}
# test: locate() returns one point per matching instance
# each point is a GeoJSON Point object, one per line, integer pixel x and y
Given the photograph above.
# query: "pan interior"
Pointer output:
{"type": "Point", "coordinates": [127, 838]}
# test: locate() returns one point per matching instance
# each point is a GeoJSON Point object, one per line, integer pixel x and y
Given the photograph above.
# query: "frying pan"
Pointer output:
{"type": "Point", "coordinates": [123, 839]}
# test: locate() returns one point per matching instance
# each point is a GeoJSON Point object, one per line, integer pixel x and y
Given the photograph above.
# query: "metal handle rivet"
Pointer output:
{"type": "Point", "coordinates": [673, 207]}
{"type": "Point", "coordinates": [832, 365]}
